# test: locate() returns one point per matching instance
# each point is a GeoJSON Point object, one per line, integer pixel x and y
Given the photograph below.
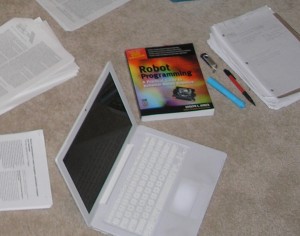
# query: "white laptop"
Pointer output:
{"type": "Point", "coordinates": [128, 179]}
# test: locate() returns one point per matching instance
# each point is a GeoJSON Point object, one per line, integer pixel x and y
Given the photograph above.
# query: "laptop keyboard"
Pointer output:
{"type": "Point", "coordinates": [150, 179]}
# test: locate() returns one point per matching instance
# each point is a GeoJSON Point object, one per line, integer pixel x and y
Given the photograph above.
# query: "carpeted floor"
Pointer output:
{"type": "Point", "coordinates": [259, 189]}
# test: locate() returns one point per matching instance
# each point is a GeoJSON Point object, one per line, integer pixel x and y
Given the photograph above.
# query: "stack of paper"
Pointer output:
{"type": "Point", "coordinates": [73, 14]}
{"type": "Point", "coordinates": [264, 52]}
{"type": "Point", "coordinates": [32, 60]}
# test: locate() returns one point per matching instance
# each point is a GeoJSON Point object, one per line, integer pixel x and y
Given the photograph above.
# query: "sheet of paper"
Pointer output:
{"type": "Point", "coordinates": [24, 177]}
{"type": "Point", "coordinates": [42, 86]}
{"type": "Point", "coordinates": [73, 14]}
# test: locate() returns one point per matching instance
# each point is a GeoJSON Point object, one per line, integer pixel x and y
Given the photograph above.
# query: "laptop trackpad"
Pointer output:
{"type": "Point", "coordinates": [185, 196]}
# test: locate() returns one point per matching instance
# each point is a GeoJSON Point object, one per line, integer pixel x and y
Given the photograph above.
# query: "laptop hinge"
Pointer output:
{"type": "Point", "coordinates": [116, 174]}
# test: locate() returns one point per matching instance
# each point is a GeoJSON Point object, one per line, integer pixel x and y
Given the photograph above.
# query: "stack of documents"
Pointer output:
{"type": "Point", "coordinates": [264, 51]}
{"type": "Point", "coordinates": [73, 14]}
{"type": "Point", "coordinates": [32, 60]}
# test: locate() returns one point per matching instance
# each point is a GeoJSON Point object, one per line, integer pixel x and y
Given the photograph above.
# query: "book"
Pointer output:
{"type": "Point", "coordinates": [168, 82]}
{"type": "Point", "coordinates": [24, 176]}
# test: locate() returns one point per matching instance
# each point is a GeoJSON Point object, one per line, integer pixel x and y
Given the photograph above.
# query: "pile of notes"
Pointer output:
{"type": "Point", "coordinates": [264, 51]}
{"type": "Point", "coordinates": [32, 60]}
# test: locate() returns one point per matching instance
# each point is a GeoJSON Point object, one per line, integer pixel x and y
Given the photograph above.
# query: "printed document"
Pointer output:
{"type": "Point", "coordinates": [32, 60]}
{"type": "Point", "coordinates": [73, 14]}
{"type": "Point", "coordinates": [24, 177]}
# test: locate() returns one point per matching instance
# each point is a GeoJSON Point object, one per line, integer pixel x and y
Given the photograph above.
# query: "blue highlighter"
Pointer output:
{"type": "Point", "coordinates": [216, 85]}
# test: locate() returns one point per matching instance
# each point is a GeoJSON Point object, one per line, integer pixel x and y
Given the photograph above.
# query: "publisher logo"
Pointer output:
{"type": "Point", "coordinates": [139, 53]}
{"type": "Point", "coordinates": [145, 102]}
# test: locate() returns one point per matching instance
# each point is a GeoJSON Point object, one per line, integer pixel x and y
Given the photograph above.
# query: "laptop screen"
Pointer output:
{"type": "Point", "coordinates": [97, 143]}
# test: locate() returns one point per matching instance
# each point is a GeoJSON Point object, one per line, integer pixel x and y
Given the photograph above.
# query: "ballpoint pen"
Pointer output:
{"type": "Point", "coordinates": [234, 81]}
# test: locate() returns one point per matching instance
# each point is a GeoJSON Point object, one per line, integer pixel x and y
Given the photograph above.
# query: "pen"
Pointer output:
{"type": "Point", "coordinates": [215, 84]}
{"type": "Point", "coordinates": [234, 81]}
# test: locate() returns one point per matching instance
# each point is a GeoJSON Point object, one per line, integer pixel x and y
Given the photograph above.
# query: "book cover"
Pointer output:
{"type": "Point", "coordinates": [168, 82]}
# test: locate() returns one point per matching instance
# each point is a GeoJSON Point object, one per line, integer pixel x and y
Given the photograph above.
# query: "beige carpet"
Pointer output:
{"type": "Point", "coordinates": [259, 190]}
